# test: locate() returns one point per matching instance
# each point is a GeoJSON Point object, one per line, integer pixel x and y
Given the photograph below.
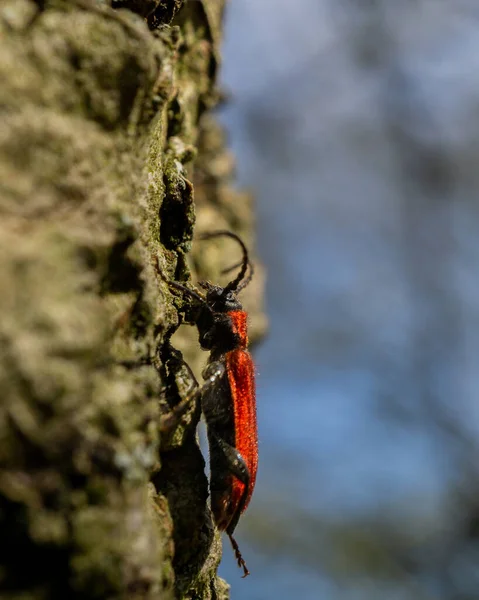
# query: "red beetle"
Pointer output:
{"type": "Point", "coordinates": [228, 397]}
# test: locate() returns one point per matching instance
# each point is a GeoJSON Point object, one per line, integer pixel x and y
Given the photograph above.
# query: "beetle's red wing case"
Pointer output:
{"type": "Point", "coordinates": [241, 377]}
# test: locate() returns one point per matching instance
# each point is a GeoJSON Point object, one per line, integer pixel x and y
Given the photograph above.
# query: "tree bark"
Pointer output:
{"type": "Point", "coordinates": [109, 156]}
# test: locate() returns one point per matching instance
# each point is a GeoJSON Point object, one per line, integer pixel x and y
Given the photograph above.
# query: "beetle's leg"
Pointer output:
{"type": "Point", "coordinates": [170, 420]}
{"type": "Point", "coordinates": [212, 372]}
{"type": "Point", "coordinates": [173, 362]}
{"type": "Point", "coordinates": [237, 466]}
{"type": "Point", "coordinates": [239, 558]}
{"type": "Point", "coordinates": [236, 463]}
{"type": "Point", "coordinates": [239, 469]}
{"type": "Point", "coordinates": [175, 285]}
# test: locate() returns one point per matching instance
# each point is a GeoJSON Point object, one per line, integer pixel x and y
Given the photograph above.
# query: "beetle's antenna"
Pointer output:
{"type": "Point", "coordinates": [247, 279]}
{"type": "Point", "coordinates": [240, 281]}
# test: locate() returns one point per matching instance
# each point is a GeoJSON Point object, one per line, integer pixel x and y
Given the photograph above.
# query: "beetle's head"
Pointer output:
{"type": "Point", "coordinates": [220, 299]}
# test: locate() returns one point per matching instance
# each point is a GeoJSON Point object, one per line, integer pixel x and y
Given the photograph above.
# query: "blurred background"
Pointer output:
{"type": "Point", "coordinates": [356, 124]}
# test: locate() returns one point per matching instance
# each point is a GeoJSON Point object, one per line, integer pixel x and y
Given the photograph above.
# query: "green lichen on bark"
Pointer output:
{"type": "Point", "coordinates": [104, 143]}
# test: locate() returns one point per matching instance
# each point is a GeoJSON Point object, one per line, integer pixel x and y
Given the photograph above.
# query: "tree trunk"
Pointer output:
{"type": "Point", "coordinates": [108, 156]}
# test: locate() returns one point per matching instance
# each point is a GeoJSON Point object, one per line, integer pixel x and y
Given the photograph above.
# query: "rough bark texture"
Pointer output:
{"type": "Point", "coordinates": [105, 140]}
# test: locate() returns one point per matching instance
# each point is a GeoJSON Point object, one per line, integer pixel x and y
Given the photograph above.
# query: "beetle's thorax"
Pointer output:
{"type": "Point", "coordinates": [222, 322]}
